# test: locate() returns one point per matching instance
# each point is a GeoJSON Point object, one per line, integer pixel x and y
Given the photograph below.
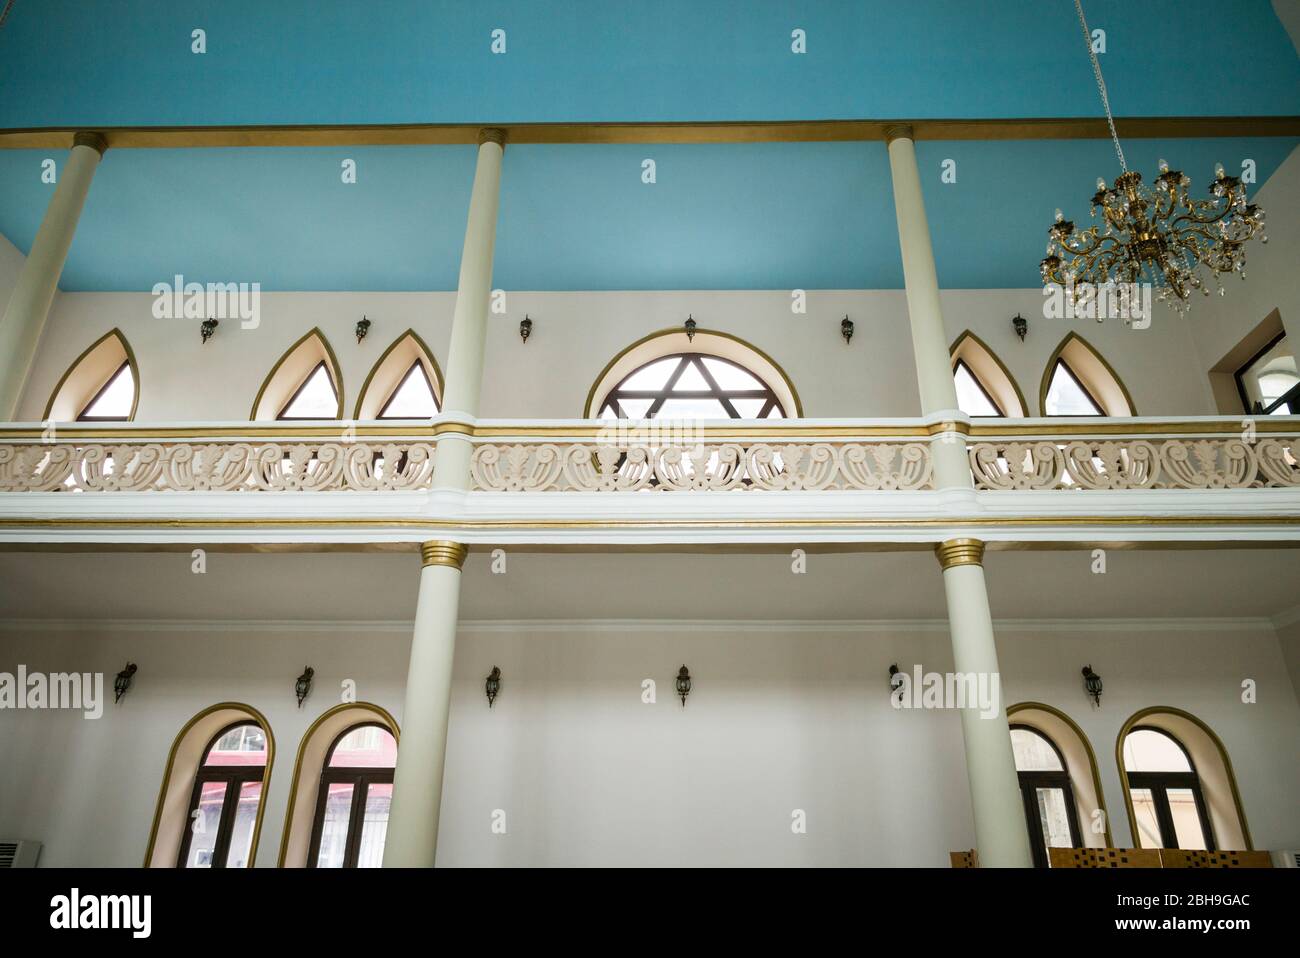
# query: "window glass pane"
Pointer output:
{"type": "Point", "coordinates": [241, 828]}
{"type": "Point", "coordinates": [635, 408]}
{"type": "Point", "coordinates": [1066, 398]}
{"type": "Point", "coordinates": [1187, 820]}
{"type": "Point", "coordinates": [731, 377]}
{"type": "Point", "coordinates": [367, 746]}
{"type": "Point", "coordinates": [653, 376]}
{"type": "Point", "coordinates": [749, 408]}
{"type": "Point", "coordinates": [970, 397]}
{"type": "Point", "coordinates": [316, 400]}
{"type": "Point", "coordinates": [692, 409]}
{"type": "Point", "coordinates": [413, 398]}
{"type": "Point", "coordinates": [1144, 813]}
{"type": "Point", "coordinates": [1271, 375]}
{"type": "Point", "coordinates": [243, 745]}
{"type": "Point", "coordinates": [691, 380]}
{"type": "Point", "coordinates": [114, 402]}
{"type": "Point", "coordinates": [1146, 750]}
{"type": "Point", "coordinates": [1055, 816]}
{"type": "Point", "coordinates": [204, 825]}
{"type": "Point", "coordinates": [1033, 752]}
{"type": "Point", "coordinates": [334, 827]}
{"type": "Point", "coordinates": [374, 826]}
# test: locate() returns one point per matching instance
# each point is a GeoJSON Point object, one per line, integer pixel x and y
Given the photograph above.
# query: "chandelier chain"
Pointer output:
{"type": "Point", "coordinates": [1101, 85]}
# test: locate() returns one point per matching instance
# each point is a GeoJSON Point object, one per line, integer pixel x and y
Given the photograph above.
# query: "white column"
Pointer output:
{"type": "Point", "coordinates": [412, 839]}
{"type": "Point", "coordinates": [417, 781]}
{"type": "Point", "coordinates": [469, 324]}
{"type": "Point", "coordinates": [29, 303]}
{"type": "Point", "coordinates": [1001, 833]}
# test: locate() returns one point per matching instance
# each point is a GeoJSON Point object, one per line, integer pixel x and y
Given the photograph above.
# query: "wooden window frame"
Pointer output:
{"type": "Point", "coordinates": [417, 364]}
{"type": "Point", "coordinates": [1062, 364]}
{"type": "Point", "coordinates": [83, 417]}
{"type": "Point", "coordinates": [360, 778]}
{"type": "Point", "coordinates": [1159, 783]}
{"type": "Point", "coordinates": [979, 383]}
{"type": "Point", "coordinates": [236, 775]}
{"type": "Point", "coordinates": [281, 417]}
{"type": "Point", "coordinates": [659, 396]}
{"type": "Point", "coordinates": [1030, 782]}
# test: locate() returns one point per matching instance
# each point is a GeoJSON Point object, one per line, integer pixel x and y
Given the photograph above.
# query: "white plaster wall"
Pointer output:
{"type": "Point", "coordinates": [1218, 323]}
{"type": "Point", "coordinates": [588, 775]}
{"type": "Point", "coordinates": [576, 333]}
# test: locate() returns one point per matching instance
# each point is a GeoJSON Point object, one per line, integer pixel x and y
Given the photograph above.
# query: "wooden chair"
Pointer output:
{"type": "Point", "coordinates": [1181, 858]}
{"type": "Point", "coordinates": [970, 859]}
{"type": "Point", "coordinates": [1104, 857]}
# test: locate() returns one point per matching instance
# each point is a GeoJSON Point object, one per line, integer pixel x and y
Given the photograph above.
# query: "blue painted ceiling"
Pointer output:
{"type": "Point", "coordinates": [767, 216]}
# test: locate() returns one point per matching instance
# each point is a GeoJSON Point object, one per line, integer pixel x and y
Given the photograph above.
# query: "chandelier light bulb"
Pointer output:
{"type": "Point", "coordinates": [1218, 171]}
{"type": "Point", "coordinates": [1164, 166]}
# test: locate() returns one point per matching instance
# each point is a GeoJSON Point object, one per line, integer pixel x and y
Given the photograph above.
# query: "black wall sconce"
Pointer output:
{"type": "Point", "coordinates": [302, 685]}
{"type": "Point", "coordinates": [493, 685]}
{"type": "Point", "coordinates": [846, 329]}
{"type": "Point", "coordinates": [689, 326]}
{"type": "Point", "coordinates": [1020, 325]}
{"type": "Point", "coordinates": [683, 683]}
{"type": "Point", "coordinates": [1092, 684]}
{"type": "Point", "coordinates": [207, 328]}
{"type": "Point", "coordinates": [525, 328]}
{"type": "Point", "coordinates": [122, 683]}
{"type": "Point", "coordinates": [895, 679]}
{"type": "Point", "coordinates": [363, 327]}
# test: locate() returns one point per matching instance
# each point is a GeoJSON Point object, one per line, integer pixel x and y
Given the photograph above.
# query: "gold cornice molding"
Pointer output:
{"type": "Point", "coordinates": [91, 139]}
{"type": "Point", "coordinates": [955, 552]}
{"type": "Point", "coordinates": [777, 131]}
{"type": "Point", "coordinates": [444, 552]}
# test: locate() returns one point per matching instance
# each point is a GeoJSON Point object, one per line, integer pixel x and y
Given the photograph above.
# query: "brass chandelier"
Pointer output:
{"type": "Point", "coordinates": [1158, 235]}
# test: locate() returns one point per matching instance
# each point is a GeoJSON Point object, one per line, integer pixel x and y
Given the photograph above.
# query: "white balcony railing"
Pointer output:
{"type": "Point", "coordinates": [585, 457]}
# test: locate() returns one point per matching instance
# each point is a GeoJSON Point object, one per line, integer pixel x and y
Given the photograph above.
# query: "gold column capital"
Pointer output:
{"type": "Point", "coordinates": [492, 134]}
{"type": "Point", "coordinates": [899, 131]}
{"type": "Point", "coordinates": [91, 139]}
{"type": "Point", "coordinates": [955, 552]}
{"type": "Point", "coordinates": [443, 552]}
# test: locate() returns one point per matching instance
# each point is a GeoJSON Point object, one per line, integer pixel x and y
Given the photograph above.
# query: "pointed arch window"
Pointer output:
{"type": "Point", "coordinates": [404, 383]}
{"type": "Point", "coordinates": [972, 398]}
{"type": "Point", "coordinates": [102, 384]}
{"type": "Point", "coordinates": [1077, 381]}
{"type": "Point", "coordinates": [227, 797]}
{"type": "Point", "coordinates": [413, 398]}
{"type": "Point", "coordinates": [356, 789]}
{"type": "Point", "coordinates": [1050, 810]}
{"type": "Point", "coordinates": [1067, 396]}
{"type": "Point", "coordinates": [114, 401]}
{"type": "Point", "coordinates": [985, 387]}
{"type": "Point", "coordinates": [1165, 792]}
{"type": "Point", "coordinates": [305, 383]}
{"type": "Point", "coordinates": [316, 398]}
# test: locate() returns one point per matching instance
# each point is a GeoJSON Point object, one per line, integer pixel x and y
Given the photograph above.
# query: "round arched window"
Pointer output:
{"type": "Point", "coordinates": [227, 795]}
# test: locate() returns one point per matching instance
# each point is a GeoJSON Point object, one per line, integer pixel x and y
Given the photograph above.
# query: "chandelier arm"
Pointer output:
{"type": "Point", "coordinates": [1191, 217]}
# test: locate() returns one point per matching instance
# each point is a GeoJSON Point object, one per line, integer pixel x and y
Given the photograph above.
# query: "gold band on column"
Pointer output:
{"type": "Point", "coordinates": [956, 552]}
{"type": "Point", "coordinates": [897, 131]}
{"type": "Point", "coordinates": [492, 134]}
{"type": "Point", "coordinates": [444, 552]}
{"type": "Point", "coordinates": [93, 140]}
